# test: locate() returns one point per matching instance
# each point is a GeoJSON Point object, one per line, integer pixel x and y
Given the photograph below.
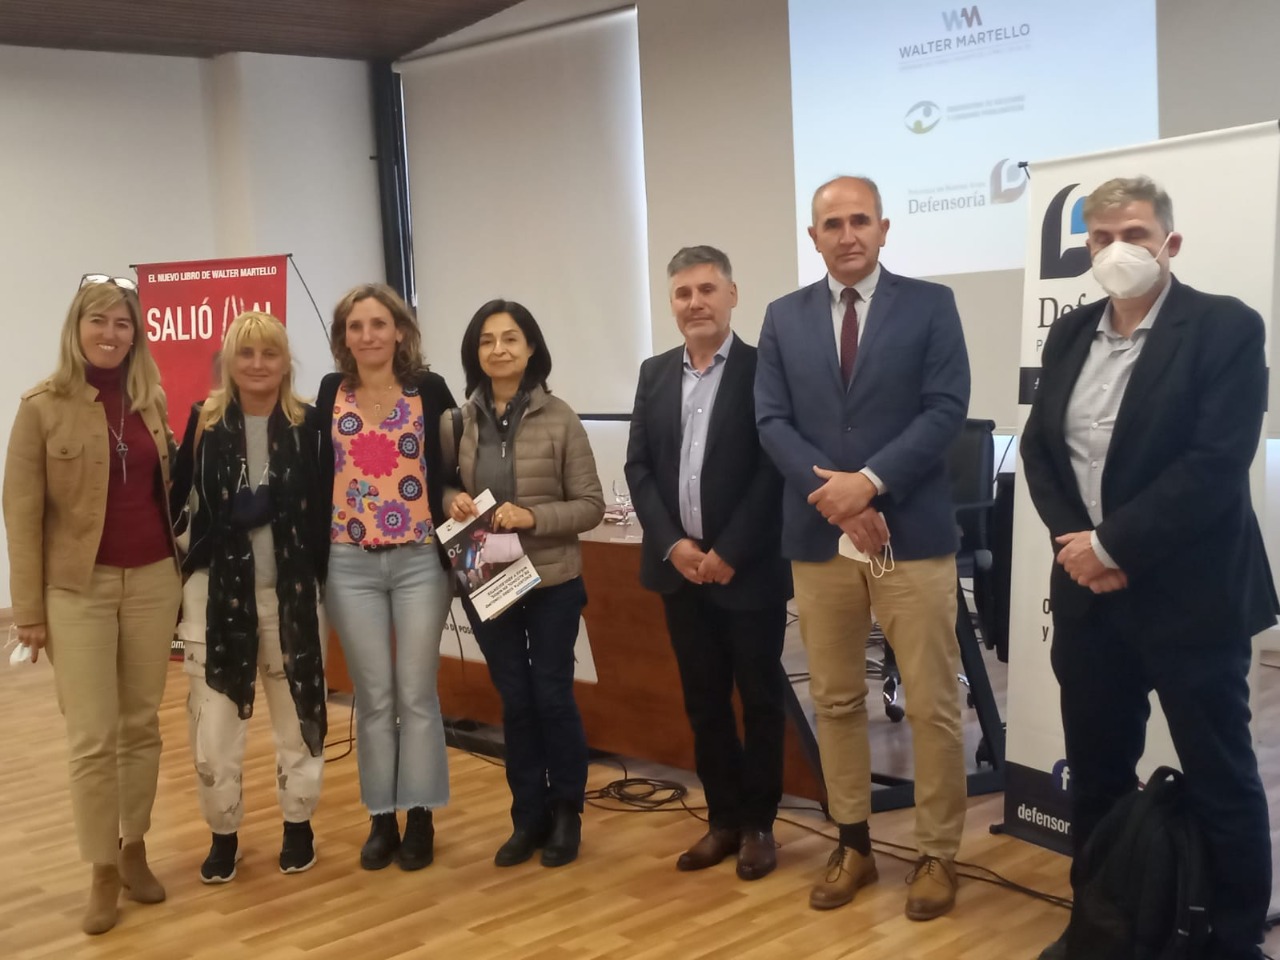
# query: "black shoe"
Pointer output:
{"type": "Point", "coordinates": [298, 851]}
{"type": "Point", "coordinates": [521, 844]}
{"type": "Point", "coordinates": [1056, 950]}
{"type": "Point", "coordinates": [220, 865]}
{"type": "Point", "coordinates": [384, 840]}
{"type": "Point", "coordinates": [566, 835]}
{"type": "Point", "coordinates": [417, 849]}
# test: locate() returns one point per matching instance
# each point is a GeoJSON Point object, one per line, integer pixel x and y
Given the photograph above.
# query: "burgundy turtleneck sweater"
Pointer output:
{"type": "Point", "coordinates": [136, 529]}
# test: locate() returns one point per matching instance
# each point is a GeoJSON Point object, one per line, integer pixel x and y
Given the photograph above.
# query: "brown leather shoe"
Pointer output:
{"type": "Point", "coordinates": [847, 870]}
{"type": "Point", "coordinates": [715, 845]}
{"type": "Point", "coordinates": [757, 854]}
{"type": "Point", "coordinates": [932, 888]}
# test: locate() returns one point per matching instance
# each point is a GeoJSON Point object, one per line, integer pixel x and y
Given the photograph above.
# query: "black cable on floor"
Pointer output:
{"type": "Point", "coordinates": [349, 739]}
{"type": "Point", "coordinates": [649, 795]}
{"type": "Point", "coordinates": [655, 795]}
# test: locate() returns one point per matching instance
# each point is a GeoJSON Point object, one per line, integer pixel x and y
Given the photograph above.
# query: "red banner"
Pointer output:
{"type": "Point", "coordinates": [186, 309]}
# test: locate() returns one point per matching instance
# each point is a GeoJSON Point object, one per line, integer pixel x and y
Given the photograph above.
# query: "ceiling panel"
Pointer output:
{"type": "Point", "coordinates": [345, 29]}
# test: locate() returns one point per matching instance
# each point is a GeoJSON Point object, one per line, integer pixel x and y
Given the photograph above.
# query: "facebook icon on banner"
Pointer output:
{"type": "Point", "coordinates": [1062, 775]}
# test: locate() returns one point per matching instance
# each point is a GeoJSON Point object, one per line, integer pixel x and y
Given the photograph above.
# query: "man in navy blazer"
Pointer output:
{"type": "Point", "coordinates": [1136, 454]}
{"type": "Point", "coordinates": [862, 384]}
{"type": "Point", "coordinates": [707, 497]}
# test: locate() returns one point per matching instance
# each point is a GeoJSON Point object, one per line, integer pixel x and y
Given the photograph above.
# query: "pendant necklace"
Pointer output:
{"type": "Point", "coordinates": [122, 448]}
{"type": "Point", "coordinates": [377, 404]}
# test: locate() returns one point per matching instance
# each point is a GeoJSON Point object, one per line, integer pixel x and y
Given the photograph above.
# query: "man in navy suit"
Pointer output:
{"type": "Point", "coordinates": [862, 384]}
{"type": "Point", "coordinates": [1136, 454]}
{"type": "Point", "coordinates": [707, 497]}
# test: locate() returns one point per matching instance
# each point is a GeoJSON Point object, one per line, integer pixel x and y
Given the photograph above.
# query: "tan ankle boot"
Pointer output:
{"type": "Point", "coordinates": [100, 915]}
{"type": "Point", "coordinates": [139, 882]}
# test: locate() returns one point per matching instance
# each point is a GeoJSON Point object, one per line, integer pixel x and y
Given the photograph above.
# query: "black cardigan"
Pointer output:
{"type": "Point", "coordinates": [436, 399]}
{"type": "Point", "coordinates": [191, 469]}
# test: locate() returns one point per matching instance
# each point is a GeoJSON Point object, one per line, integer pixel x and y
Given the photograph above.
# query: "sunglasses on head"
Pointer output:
{"type": "Point", "coordinates": [124, 283]}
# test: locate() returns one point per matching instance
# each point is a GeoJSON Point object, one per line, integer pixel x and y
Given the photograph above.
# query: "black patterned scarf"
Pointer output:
{"type": "Point", "coordinates": [232, 614]}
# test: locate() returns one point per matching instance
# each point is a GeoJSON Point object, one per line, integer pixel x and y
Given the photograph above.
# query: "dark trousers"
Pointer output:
{"type": "Point", "coordinates": [1107, 665]}
{"type": "Point", "coordinates": [529, 650]}
{"type": "Point", "coordinates": [715, 649]}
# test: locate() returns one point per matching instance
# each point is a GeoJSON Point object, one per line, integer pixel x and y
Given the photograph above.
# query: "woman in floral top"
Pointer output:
{"type": "Point", "coordinates": [380, 414]}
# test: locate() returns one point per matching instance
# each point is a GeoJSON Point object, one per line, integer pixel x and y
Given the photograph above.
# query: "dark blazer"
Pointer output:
{"type": "Point", "coordinates": [1177, 515]}
{"type": "Point", "coordinates": [436, 399]}
{"type": "Point", "coordinates": [740, 486]}
{"type": "Point", "coordinates": [905, 405]}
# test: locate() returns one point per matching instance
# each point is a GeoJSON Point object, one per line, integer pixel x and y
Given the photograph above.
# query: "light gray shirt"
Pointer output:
{"type": "Point", "coordinates": [697, 400]}
{"type": "Point", "coordinates": [1095, 402]}
{"type": "Point", "coordinates": [256, 455]}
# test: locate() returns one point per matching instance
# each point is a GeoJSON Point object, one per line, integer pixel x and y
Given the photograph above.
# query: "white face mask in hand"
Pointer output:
{"type": "Point", "coordinates": [20, 653]}
{"type": "Point", "coordinates": [1126, 270]}
{"type": "Point", "coordinates": [880, 563]}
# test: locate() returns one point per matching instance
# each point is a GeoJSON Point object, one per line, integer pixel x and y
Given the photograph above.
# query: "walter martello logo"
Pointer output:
{"type": "Point", "coordinates": [970, 17]}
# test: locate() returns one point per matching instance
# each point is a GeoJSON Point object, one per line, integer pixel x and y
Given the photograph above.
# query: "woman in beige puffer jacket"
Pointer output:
{"type": "Point", "coordinates": [529, 449]}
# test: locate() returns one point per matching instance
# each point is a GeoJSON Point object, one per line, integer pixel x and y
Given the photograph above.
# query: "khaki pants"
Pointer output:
{"type": "Point", "coordinates": [218, 733]}
{"type": "Point", "coordinates": [915, 604]}
{"type": "Point", "coordinates": [109, 646]}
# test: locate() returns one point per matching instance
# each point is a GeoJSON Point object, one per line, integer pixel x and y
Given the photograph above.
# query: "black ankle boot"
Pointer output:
{"type": "Point", "coordinates": [566, 834]}
{"type": "Point", "coordinates": [417, 849]}
{"type": "Point", "coordinates": [522, 842]}
{"type": "Point", "coordinates": [384, 840]}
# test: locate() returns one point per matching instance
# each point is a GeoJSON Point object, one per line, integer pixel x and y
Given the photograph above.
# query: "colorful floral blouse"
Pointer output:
{"type": "Point", "coordinates": [379, 474]}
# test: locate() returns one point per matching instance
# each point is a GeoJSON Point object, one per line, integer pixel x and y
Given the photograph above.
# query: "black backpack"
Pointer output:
{"type": "Point", "coordinates": [1142, 885]}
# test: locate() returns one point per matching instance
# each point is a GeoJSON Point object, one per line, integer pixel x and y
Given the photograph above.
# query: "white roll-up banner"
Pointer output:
{"type": "Point", "coordinates": [1224, 191]}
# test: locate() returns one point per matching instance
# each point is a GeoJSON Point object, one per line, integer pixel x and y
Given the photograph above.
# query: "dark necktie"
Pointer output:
{"type": "Point", "coordinates": [849, 333]}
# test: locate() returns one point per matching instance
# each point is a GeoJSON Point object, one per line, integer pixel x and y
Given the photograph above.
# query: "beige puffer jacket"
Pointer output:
{"type": "Point", "coordinates": [556, 479]}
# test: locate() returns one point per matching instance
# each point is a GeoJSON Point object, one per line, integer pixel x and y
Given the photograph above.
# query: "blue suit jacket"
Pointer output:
{"type": "Point", "coordinates": [904, 406]}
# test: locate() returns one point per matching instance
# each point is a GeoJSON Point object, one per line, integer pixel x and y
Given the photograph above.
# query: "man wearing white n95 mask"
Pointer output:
{"type": "Point", "coordinates": [1136, 454]}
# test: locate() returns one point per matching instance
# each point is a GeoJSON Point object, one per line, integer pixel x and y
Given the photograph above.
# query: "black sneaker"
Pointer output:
{"type": "Point", "coordinates": [298, 851]}
{"type": "Point", "coordinates": [384, 840]}
{"type": "Point", "coordinates": [220, 865]}
{"type": "Point", "coordinates": [417, 849]}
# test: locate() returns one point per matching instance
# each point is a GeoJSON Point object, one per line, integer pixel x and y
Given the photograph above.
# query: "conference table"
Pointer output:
{"type": "Point", "coordinates": [635, 708]}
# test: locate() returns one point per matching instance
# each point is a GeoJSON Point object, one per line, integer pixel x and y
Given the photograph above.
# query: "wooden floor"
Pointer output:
{"type": "Point", "coordinates": [622, 899]}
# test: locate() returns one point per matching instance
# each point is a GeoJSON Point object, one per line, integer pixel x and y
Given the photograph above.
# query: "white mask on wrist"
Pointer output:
{"type": "Point", "coordinates": [1126, 270]}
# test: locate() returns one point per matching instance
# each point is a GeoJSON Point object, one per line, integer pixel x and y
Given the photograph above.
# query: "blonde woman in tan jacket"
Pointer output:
{"type": "Point", "coordinates": [530, 450]}
{"type": "Point", "coordinates": [93, 573]}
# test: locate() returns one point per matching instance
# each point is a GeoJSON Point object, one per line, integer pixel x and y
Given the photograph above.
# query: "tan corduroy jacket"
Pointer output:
{"type": "Point", "coordinates": [556, 480]}
{"type": "Point", "coordinates": [55, 492]}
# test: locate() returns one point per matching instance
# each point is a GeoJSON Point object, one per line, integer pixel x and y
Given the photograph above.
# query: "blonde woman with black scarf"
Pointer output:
{"type": "Point", "coordinates": [93, 574]}
{"type": "Point", "coordinates": [249, 604]}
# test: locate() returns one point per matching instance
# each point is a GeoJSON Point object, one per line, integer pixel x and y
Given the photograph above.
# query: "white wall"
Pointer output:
{"type": "Point", "coordinates": [106, 162]}
{"type": "Point", "coordinates": [113, 159]}
{"type": "Point", "coordinates": [715, 80]}
{"type": "Point", "coordinates": [295, 174]}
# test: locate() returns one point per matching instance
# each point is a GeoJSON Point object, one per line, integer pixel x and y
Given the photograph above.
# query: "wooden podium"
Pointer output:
{"type": "Point", "coordinates": [636, 708]}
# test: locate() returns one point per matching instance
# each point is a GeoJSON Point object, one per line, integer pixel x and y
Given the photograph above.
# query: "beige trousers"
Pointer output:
{"type": "Point", "coordinates": [915, 603]}
{"type": "Point", "coordinates": [109, 646]}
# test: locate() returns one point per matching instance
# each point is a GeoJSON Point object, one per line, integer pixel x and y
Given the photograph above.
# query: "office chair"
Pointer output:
{"type": "Point", "coordinates": [971, 467]}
